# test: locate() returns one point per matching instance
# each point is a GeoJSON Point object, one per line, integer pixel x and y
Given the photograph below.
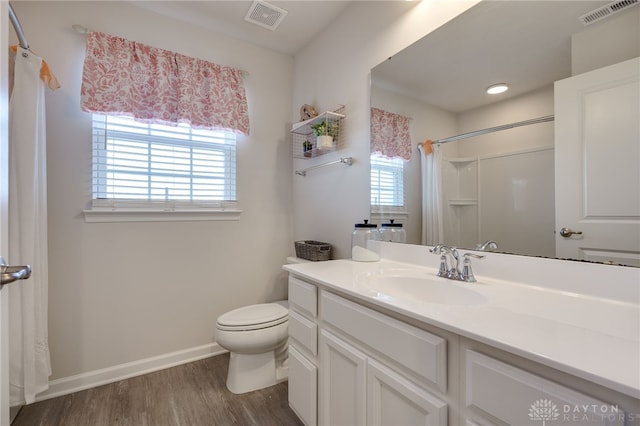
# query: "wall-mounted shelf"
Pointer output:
{"type": "Point", "coordinates": [460, 189]}
{"type": "Point", "coordinates": [463, 202]}
{"type": "Point", "coordinates": [304, 144]}
{"type": "Point", "coordinates": [461, 161]}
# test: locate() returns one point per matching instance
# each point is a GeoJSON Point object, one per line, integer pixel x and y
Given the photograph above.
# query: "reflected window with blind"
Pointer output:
{"type": "Point", "coordinates": [387, 181]}
{"type": "Point", "coordinates": [390, 148]}
{"type": "Point", "coordinates": [157, 163]}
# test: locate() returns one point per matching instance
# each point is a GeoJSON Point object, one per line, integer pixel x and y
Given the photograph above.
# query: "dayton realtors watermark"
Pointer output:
{"type": "Point", "coordinates": [545, 410]}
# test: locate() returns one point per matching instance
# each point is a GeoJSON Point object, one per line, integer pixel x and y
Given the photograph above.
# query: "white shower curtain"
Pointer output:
{"type": "Point", "coordinates": [29, 360]}
{"type": "Point", "coordinates": [431, 168]}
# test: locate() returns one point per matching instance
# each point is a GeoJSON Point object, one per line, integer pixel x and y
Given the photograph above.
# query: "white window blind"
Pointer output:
{"type": "Point", "coordinates": [150, 165]}
{"type": "Point", "coordinates": [387, 181]}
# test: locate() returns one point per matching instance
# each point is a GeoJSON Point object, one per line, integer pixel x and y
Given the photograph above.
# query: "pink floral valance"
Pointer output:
{"type": "Point", "coordinates": [123, 77]}
{"type": "Point", "coordinates": [390, 134]}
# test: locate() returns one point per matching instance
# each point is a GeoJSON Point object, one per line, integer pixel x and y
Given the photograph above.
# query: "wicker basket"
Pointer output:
{"type": "Point", "coordinates": [313, 250]}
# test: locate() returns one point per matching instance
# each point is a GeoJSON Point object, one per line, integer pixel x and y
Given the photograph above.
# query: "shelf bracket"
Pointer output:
{"type": "Point", "coordinates": [346, 160]}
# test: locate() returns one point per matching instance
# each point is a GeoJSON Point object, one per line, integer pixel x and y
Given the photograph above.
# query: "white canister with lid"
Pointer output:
{"type": "Point", "coordinates": [393, 232]}
{"type": "Point", "coordinates": [363, 233]}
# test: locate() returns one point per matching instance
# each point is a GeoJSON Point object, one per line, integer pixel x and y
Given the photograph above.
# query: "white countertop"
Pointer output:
{"type": "Point", "coordinates": [595, 338]}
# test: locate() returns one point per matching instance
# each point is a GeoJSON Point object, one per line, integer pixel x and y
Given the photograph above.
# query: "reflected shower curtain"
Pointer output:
{"type": "Point", "coordinates": [431, 169]}
{"type": "Point", "coordinates": [29, 360]}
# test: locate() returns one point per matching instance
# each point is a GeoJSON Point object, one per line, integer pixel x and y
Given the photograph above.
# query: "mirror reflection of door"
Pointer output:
{"type": "Point", "coordinates": [597, 164]}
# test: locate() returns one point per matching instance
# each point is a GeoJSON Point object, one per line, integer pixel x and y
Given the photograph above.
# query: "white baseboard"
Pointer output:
{"type": "Point", "coordinates": [92, 379]}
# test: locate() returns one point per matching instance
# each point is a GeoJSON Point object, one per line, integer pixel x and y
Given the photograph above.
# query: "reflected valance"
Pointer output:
{"type": "Point", "coordinates": [390, 134]}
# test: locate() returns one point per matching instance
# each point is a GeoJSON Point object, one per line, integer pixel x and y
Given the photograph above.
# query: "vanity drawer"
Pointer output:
{"type": "Point", "coordinates": [515, 396]}
{"type": "Point", "coordinates": [304, 332]}
{"type": "Point", "coordinates": [303, 296]}
{"type": "Point", "coordinates": [424, 354]}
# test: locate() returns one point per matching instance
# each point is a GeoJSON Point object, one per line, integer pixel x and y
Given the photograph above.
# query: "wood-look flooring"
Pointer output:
{"type": "Point", "coordinates": [192, 394]}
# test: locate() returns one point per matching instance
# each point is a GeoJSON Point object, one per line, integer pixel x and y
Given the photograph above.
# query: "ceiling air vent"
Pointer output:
{"type": "Point", "coordinates": [266, 15]}
{"type": "Point", "coordinates": [606, 11]}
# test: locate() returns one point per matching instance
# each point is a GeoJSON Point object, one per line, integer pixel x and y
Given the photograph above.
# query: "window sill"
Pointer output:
{"type": "Point", "coordinates": [105, 215]}
{"type": "Point", "coordinates": [384, 211]}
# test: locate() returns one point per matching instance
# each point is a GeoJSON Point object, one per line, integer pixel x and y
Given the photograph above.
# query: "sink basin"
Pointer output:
{"type": "Point", "coordinates": [418, 286]}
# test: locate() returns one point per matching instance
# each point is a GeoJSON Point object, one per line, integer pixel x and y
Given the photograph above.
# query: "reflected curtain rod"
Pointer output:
{"type": "Point", "coordinates": [22, 40]}
{"type": "Point", "coordinates": [495, 129]}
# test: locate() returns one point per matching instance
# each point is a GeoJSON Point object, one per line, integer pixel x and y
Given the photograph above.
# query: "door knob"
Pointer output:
{"type": "Point", "coordinates": [9, 274]}
{"type": "Point", "coordinates": [567, 232]}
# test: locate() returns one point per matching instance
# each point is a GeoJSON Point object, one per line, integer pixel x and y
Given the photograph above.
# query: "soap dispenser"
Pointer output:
{"type": "Point", "coordinates": [363, 233]}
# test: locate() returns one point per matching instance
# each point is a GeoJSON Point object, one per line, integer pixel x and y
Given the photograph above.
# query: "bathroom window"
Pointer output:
{"type": "Point", "coordinates": [387, 181]}
{"type": "Point", "coordinates": [161, 168]}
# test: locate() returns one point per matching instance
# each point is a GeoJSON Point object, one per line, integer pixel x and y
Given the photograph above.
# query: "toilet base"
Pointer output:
{"type": "Point", "coordinates": [249, 372]}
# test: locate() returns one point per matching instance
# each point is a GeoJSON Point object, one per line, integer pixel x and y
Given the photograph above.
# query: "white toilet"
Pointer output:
{"type": "Point", "coordinates": [257, 337]}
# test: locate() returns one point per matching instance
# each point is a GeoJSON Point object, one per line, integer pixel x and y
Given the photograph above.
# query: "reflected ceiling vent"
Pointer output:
{"type": "Point", "coordinates": [606, 11]}
{"type": "Point", "coordinates": [266, 15]}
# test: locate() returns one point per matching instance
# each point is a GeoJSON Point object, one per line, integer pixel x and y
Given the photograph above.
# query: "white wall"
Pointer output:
{"type": "Point", "coordinates": [120, 292]}
{"type": "Point", "coordinates": [335, 69]}
{"type": "Point", "coordinates": [607, 42]}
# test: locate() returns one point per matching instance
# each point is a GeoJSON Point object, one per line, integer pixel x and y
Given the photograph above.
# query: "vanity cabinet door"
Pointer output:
{"type": "Point", "coordinates": [342, 382]}
{"type": "Point", "coordinates": [500, 393]}
{"type": "Point", "coordinates": [303, 387]}
{"type": "Point", "coordinates": [394, 401]}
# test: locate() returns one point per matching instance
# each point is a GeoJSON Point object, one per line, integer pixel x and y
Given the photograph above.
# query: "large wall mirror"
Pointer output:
{"type": "Point", "coordinates": [574, 99]}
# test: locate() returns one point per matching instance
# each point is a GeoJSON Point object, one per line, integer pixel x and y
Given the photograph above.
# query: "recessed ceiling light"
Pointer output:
{"type": "Point", "coordinates": [497, 88]}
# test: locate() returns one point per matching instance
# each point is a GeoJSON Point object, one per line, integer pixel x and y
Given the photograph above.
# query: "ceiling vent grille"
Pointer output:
{"type": "Point", "coordinates": [265, 15]}
{"type": "Point", "coordinates": [606, 11]}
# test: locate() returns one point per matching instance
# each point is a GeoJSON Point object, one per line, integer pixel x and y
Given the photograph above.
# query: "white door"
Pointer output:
{"type": "Point", "coordinates": [597, 164]}
{"type": "Point", "coordinates": [4, 204]}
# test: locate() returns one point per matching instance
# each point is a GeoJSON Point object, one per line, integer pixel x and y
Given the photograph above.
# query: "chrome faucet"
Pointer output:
{"type": "Point", "coordinates": [451, 269]}
{"type": "Point", "coordinates": [448, 269]}
{"type": "Point", "coordinates": [489, 244]}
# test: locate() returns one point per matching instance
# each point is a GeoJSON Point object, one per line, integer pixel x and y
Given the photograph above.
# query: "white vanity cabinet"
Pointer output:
{"type": "Point", "coordinates": [356, 363]}
{"type": "Point", "coordinates": [366, 369]}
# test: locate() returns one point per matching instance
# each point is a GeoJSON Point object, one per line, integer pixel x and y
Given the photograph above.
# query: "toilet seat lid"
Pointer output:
{"type": "Point", "coordinates": [254, 316]}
